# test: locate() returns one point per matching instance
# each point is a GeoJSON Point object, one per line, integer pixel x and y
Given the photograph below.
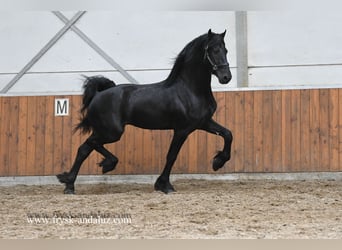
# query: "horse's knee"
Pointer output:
{"type": "Point", "coordinates": [228, 135]}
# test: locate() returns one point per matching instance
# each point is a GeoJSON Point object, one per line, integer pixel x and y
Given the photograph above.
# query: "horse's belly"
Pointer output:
{"type": "Point", "coordinates": [155, 120]}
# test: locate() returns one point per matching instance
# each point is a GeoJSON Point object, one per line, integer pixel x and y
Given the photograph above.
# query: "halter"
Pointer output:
{"type": "Point", "coordinates": [215, 66]}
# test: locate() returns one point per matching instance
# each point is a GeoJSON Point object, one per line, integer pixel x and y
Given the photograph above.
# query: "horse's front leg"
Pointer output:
{"type": "Point", "coordinates": [163, 182]}
{"type": "Point", "coordinates": [223, 156]}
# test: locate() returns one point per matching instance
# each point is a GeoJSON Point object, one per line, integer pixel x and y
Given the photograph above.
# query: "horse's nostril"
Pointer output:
{"type": "Point", "coordinates": [225, 79]}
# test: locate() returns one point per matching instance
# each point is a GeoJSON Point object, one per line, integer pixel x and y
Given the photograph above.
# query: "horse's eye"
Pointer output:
{"type": "Point", "coordinates": [216, 50]}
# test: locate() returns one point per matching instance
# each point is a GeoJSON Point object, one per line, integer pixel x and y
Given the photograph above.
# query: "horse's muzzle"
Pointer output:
{"type": "Point", "coordinates": [225, 79]}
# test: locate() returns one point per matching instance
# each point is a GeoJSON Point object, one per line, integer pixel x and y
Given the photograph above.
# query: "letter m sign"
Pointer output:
{"type": "Point", "coordinates": [61, 107]}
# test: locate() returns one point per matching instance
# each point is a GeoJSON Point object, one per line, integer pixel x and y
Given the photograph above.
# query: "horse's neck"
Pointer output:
{"type": "Point", "coordinates": [197, 78]}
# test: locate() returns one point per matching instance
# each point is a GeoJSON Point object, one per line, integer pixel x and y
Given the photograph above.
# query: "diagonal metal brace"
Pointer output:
{"type": "Point", "coordinates": [94, 46]}
{"type": "Point", "coordinates": [36, 58]}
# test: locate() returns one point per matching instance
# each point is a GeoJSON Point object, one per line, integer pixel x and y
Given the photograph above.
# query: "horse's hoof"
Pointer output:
{"type": "Point", "coordinates": [218, 163]}
{"type": "Point", "coordinates": [63, 178]}
{"type": "Point", "coordinates": [108, 165]}
{"type": "Point", "coordinates": [164, 186]}
{"type": "Point", "coordinates": [69, 191]}
{"type": "Point", "coordinates": [219, 160]}
{"type": "Point", "coordinates": [169, 191]}
{"type": "Point", "coordinates": [165, 190]}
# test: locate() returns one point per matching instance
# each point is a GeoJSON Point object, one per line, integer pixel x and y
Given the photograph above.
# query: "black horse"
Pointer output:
{"type": "Point", "coordinates": [183, 102]}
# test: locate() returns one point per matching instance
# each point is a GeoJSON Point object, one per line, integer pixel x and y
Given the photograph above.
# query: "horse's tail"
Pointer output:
{"type": "Point", "coordinates": [91, 86]}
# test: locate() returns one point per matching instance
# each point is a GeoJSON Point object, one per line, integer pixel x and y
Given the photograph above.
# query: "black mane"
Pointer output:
{"type": "Point", "coordinates": [194, 50]}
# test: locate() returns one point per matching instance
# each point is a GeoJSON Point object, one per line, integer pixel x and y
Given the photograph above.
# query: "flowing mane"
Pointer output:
{"type": "Point", "coordinates": [191, 52]}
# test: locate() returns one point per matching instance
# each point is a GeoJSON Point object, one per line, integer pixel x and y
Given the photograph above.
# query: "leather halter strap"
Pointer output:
{"type": "Point", "coordinates": [213, 65]}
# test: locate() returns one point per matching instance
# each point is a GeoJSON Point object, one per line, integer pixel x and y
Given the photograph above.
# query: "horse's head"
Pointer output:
{"type": "Point", "coordinates": [216, 55]}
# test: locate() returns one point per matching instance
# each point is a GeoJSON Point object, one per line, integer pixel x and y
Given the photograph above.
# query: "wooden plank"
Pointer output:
{"type": "Point", "coordinates": [49, 138]}
{"type": "Point", "coordinates": [315, 129]}
{"type": "Point", "coordinates": [267, 122]}
{"type": "Point", "coordinates": [156, 158]}
{"type": "Point", "coordinates": [2, 136]}
{"type": "Point", "coordinates": [22, 136]}
{"type": "Point", "coordinates": [286, 131]}
{"type": "Point", "coordinates": [340, 127]}
{"type": "Point", "coordinates": [31, 136]}
{"type": "Point", "coordinates": [129, 150]}
{"type": "Point", "coordinates": [295, 131]}
{"type": "Point", "coordinates": [324, 130]}
{"type": "Point", "coordinates": [147, 147]}
{"type": "Point", "coordinates": [239, 99]}
{"type": "Point", "coordinates": [305, 144]}
{"type": "Point", "coordinates": [122, 153]}
{"type": "Point", "coordinates": [4, 139]}
{"type": "Point", "coordinates": [249, 157]}
{"type": "Point", "coordinates": [276, 131]}
{"type": "Point", "coordinates": [202, 157]}
{"type": "Point", "coordinates": [58, 166]}
{"type": "Point", "coordinates": [13, 136]}
{"type": "Point", "coordinates": [67, 138]}
{"type": "Point", "coordinates": [192, 165]}
{"type": "Point", "coordinates": [138, 165]}
{"type": "Point", "coordinates": [40, 134]}
{"type": "Point", "coordinates": [333, 129]}
{"type": "Point", "coordinates": [258, 131]}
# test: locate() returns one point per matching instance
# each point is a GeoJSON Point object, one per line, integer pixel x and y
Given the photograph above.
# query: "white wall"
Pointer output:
{"type": "Point", "coordinates": [295, 48]}
{"type": "Point", "coordinates": [285, 48]}
{"type": "Point", "coordinates": [143, 43]}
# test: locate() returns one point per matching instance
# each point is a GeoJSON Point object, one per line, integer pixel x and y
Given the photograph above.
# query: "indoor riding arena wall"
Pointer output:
{"type": "Point", "coordinates": [298, 130]}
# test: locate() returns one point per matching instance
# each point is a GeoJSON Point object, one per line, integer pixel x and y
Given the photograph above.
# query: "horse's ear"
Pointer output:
{"type": "Point", "coordinates": [210, 34]}
{"type": "Point", "coordinates": [224, 33]}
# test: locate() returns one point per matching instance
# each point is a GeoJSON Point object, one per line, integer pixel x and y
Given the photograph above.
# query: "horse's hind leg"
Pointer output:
{"type": "Point", "coordinates": [93, 142]}
{"type": "Point", "coordinates": [110, 160]}
{"type": "Point", "coordinates": [68, 178]}
{"type": "Point", "coordinates": [98, 140]}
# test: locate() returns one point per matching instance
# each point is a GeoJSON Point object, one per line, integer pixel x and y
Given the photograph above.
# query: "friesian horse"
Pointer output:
{"type": "Point", "coordinates": [182, 102]}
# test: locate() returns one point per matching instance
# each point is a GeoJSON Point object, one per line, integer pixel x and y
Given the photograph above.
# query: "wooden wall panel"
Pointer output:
{"type": "Point", "coordinates": [274, 131]}
{"type": "Point", "coordinates": [305, 144]}
{"type": "Point", "coordinates": [258, 157]}
{"type": "Point", "coordinates": [333, 129]}
{"type": "Point", "coordinates": [340, 128]}
{"type": "Point", "coordinates": [22, 135]}
{"type": "Point", "coordinates": [4, 138]}
{"type": "Point", "coordinates": [49, 138]}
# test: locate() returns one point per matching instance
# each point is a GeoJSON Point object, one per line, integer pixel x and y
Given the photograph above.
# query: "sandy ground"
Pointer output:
{"type": "Point", "coordinates": [199, 209]}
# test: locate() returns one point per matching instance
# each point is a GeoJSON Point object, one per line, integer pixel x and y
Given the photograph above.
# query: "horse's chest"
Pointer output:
{"type": "Point", "coordinates": [202, 110]}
